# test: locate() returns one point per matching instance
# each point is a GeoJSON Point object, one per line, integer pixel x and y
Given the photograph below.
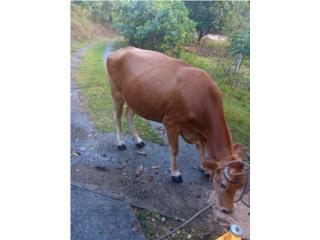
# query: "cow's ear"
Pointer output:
{"type": "Point", "coordinates": [210, 166]}
{"type": "Point", "coordinates": [238, 150]}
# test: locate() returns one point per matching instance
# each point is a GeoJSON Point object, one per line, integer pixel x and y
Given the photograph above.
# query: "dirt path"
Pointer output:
{"type": "Point", "coordinates": [94, 216]}
{"type": "Point", "coordinates": [139, 180]}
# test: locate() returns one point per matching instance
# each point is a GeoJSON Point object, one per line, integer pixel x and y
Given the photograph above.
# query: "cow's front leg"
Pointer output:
{"type": "Point", "coordinates": [173, 139]}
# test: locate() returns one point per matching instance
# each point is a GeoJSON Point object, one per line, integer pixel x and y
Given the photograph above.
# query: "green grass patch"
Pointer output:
{"type": "Point", "coordinates": [239, 123]}
{"type": "Point", "coordinates": [196, 60]}
{"type": "Point", "coordinates": [93, 83]}
{"type": "Point", "coordinates": [76, 45]}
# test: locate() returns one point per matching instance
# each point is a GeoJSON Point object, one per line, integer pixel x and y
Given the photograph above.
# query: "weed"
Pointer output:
{"type": "Point", "coordinates": [155, 225]}
{"type": "Point", "coordinates": [76, 45]}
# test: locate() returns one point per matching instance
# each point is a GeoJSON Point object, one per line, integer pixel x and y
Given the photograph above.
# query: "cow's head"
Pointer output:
{"type": "Point", "coordinates": [227, 177]}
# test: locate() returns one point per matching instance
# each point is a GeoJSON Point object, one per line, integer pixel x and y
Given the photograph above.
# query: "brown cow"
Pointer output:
{"type": "Point", "coordinates": [188, 102]}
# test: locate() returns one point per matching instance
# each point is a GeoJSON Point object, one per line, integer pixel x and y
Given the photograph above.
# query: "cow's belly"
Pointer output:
{"type": "Point", "coordinates": [146, 103]}
{"type": "Point", "coordinates": [191, 136]}
{"type": "Point", "coordinates": [153, 114]}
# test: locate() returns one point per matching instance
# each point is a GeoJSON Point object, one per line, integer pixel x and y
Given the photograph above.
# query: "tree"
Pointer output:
{"type": "Point", "coordinates": [163, 26]}
{"type": "Point", "coordinates": [101, 10]}
{"type": "Point", "coordinates": [219, 10]}
{"type": "Point", "coordinates": [237, 20]}
{"type": "Point", "coordinates": [233, 19]}
{"type": "Point", "coordinates": [201, 13]}
{"type": "Point", "coordinates": [240, 47]}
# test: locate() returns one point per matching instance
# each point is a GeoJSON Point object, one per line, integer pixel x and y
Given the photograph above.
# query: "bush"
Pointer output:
{"type": "Point", "coordinates": [163, 26]}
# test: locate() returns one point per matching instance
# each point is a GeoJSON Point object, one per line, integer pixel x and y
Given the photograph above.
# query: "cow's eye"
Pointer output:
{"type": "Point", "coordinates": [223, 186]}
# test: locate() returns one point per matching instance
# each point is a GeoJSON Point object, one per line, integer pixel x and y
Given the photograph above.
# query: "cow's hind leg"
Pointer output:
{"type": "Point", "coordinates": [173, 138]}
{"type": "Point", "coordinates": [118, 106]}
{"type": "Point", "coordinates": [130, 118]}
{"type": "Point", "coordinates": [201, 152]}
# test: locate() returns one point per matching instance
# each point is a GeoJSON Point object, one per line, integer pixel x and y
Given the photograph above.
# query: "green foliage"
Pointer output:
{"type": "Point", "coordinates": [162, 26]}
{"type": "Point", "coordinates": [240, 42]}
{"type": "Point", "coordinates": [220, 12]}
{"type": "Point", "coordinates": [201, 13]}
{"type": "Point", "coordinates": [196, 60]}
{"type": "Point", "coordinates": [237, 27]}
{"type": "Point", "coordinates": [230, 18]}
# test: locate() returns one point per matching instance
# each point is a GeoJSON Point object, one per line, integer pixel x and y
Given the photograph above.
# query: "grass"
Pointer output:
{"type": "Point", "coordinates": [76, 45]}
{"type": "Point", "coordinates": [155, 225]}
{"type": "Point", "coordinates": [94, 86]}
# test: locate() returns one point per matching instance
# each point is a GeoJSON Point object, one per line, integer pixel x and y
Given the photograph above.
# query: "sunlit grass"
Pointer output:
{"type": "Point", "coordinates": [76, 45]}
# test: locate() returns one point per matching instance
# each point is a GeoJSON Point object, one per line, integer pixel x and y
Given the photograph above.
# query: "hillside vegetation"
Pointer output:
{"type": "Point", "coordinates": [85, 29]}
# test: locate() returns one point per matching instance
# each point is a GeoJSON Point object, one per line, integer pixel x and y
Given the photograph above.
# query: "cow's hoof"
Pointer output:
{"type": "Point", "coordinates": [122, 147]}
{"type": "Point", "coordinates": [176, 179]}
{"type": "Point", "coordinates": [207, 174]}
{"type": "Point", "coordinates": [140, 145]}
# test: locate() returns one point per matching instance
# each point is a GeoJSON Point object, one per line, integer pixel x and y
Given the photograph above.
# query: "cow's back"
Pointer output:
{"type": "Point", "coordinates": [155, 85]}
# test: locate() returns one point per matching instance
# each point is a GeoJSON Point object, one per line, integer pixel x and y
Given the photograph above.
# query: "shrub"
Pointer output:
{"type": "Point", "coordinates": [163, 26]}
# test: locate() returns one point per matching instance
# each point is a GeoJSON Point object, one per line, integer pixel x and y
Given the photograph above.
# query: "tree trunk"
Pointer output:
{"type": "Point", "coordinates": [200, 35]}
{"type": "Point", "coordinates": [132, 42]}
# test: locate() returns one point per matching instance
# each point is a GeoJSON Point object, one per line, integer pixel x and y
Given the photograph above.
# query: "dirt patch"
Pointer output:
{"type": "Point", "coordinates": [239, 216]}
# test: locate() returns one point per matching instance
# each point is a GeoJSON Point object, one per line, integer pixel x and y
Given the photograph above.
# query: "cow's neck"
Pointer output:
{"type": "Point", "coordinates": [219, 140]}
